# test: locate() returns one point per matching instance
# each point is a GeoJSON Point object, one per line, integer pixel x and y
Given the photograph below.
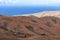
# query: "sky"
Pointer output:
{"type": "Point", "coordinates": [29, 2]}
{"type": "Point", "coordinates": [19, 3]}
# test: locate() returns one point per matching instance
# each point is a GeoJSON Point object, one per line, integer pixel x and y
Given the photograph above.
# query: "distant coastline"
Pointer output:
{"type": "Point", "coordinates": [26, 10]}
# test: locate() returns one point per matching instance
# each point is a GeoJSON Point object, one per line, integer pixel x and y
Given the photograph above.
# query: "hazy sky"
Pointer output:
{"type": "Point", "coordinates": [28, 2]}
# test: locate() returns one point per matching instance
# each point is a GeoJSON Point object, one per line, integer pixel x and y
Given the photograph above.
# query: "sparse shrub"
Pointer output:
{"type": "Point", "coordinates": [47, 23]}
{"type": "Point", "coordinates": [4, 25]}
{"type": "Point", "coordinates": [43, 34]}
{"type": "Point", "coordinates": [34, 21]}
{"type": "Point", "coordinates": [54, 20]}
{"type": "Point", "coordinates": [18, 34]}
{"type": "Point", "coordinates": [30, 28]}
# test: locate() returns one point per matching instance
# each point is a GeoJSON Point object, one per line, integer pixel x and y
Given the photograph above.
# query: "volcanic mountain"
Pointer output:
{"type": "Point", "coordinates": [29, 28]}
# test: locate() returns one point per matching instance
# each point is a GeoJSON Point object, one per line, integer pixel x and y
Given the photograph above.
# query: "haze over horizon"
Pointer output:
{"type": "Point", "coordinates": [17, 7]}
{"type": "Point", "coordinates": [29, 2]}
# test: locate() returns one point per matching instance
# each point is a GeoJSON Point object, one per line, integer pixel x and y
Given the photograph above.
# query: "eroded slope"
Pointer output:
{"type": "Point", "coordinates": [29, 28]}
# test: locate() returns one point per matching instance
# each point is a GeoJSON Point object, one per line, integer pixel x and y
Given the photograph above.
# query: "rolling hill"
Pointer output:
{"type": "Point", "coordinates": [29, 28]}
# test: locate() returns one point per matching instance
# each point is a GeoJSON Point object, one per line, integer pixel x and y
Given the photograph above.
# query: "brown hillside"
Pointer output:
{"type": "Point", "coordinates": [29, 28]}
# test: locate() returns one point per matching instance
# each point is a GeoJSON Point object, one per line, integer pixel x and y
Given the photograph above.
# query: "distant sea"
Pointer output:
{"type": "Point", "coordinates": [26, 10]}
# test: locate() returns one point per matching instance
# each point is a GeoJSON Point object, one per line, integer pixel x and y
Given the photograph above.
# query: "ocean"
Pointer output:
{"type": "Point", "coordinates": [26, 10]}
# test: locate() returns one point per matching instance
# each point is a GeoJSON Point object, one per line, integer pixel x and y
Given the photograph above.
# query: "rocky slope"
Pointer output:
{"type": "Point", "coordinates": [29, 28]}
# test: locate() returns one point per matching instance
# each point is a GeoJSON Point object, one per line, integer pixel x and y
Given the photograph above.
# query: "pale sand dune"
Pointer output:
{"type": "Point", "coordinates": [48, 13]}
{"type": "Point", "coordinates": [43, 14]}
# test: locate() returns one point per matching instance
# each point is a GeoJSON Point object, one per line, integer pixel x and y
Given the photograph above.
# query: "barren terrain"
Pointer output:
{"type": "Point", "coordinates": [29, 28]}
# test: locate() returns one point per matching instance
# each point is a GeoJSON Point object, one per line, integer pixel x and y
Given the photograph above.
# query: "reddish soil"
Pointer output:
{"type": "Point", "coordinates": [29, 28]}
